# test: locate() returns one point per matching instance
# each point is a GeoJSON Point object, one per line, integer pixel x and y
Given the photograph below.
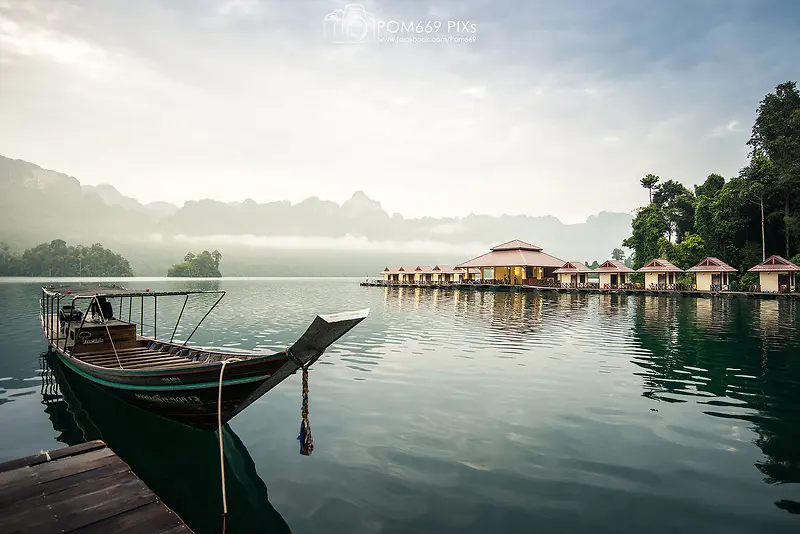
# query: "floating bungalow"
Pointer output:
{"type": "Point", "coordinates": [515, 262]}
{"type": "Point", "coordinates": [776, 274]}
{"type": "Point", "coordinates": [573, 272]}
{"type": "Point", "coordinates": [660, 273]}
{"type": "Point", "coordinates": [392, 274]}
{"type": "Point", "coordinates": [613, 273]}
{"type": "Point", "coordinates": [444, 274]}
{"type": "Point", "coordinates": [711, 274]}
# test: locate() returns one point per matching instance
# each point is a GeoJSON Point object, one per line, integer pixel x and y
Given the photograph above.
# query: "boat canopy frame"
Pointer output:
{"type": "Point", "coordinates": [52, 297]}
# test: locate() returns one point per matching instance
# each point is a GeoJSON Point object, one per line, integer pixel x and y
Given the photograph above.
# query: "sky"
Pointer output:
{"type": "Point", "coordinates": [514, 107]}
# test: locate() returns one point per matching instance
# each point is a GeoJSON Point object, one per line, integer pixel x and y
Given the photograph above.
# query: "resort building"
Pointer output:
{"type": "Point", "coordinates": [776, 274]}
{"type": "Point", "coordinates": [408, 274]}
{"type": "Point", "coordinates": [515, 262]}
{"type": "Point", "coordinates": [444, 274]}
{"type": "Point", "coordinates": [711, 274]}
{"type": "Point", "coordinates": [660, 273]}
{"type": "Point", "coordinates": [613, 273]}
{"type": "Point", "coordinates": [392, 274]}
{"type": "Point", "coordinates": [573, 272]}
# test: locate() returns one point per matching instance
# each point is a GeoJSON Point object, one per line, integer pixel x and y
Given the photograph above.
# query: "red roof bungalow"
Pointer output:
{"type": "Point", "coordinates": [613, 273]}
{"type": "Point", "coordinates": [572, 272]}
{"type": "Point", "coordinates": [776, 274]}
{"type": "Point", "coordinates": [659, 273]}
{"type": "Point", "coordinates": [711, 274]}
{"type": "Point", "coordinates": [392, 274]}
{"type": "Point", "coordinates": [516, 262]}
{"type": "Point", "coordinates": [443, 273]}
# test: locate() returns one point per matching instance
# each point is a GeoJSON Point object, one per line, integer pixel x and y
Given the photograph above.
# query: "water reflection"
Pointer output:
{"type": "Point", "coordinates": [689, 359]}
{"type": "Point", "coordinates": [179, 463]}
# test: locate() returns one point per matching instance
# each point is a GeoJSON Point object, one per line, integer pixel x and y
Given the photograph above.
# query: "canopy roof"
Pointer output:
{"type": "Point", "coordinates": [712, 265]}
{"type": "Point", "coordinates": [775, 264]}
{"type": "Point", "coordinates": [408, 268]}
{"type": "Point", "coordinates": [659, 266]}
{"type": "Point", "coordinates": [572, 267]}
{"type": "Point", "coordinates": [515, 253]}
{"type": "Point", "coordinates": [516, 244]}
{"type": "Point", "coordinates": [115, 291]}
{"type": "Point", "coordinates": [392, 270]}
{"type": "Point", "coordinates": [446, 269]}
{"type": "Point", "coordinates": [613, 266]}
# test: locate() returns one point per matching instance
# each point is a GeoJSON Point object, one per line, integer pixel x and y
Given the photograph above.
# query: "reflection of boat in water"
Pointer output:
{"type": "Point", "coordinates": [179, 463]}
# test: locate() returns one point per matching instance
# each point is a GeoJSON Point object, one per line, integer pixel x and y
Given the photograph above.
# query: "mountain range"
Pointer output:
{"type": "Point", "coordinates": [312, 237]}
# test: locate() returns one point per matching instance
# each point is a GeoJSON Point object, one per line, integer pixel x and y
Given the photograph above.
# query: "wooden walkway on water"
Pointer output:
{"type": "Point", "coordinates": [621, 291]}
{"type": "Point", "coordinates": [83, 489]}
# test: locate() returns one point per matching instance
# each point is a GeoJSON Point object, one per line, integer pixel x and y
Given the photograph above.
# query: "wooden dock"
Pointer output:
{"type": "Point", "coordinates": [622, 291]}
{"type": "Point", "coordinates": [85, 488]}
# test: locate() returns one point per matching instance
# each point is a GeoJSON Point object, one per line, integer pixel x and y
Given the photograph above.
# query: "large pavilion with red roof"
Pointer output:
{"type": "Point", "coordinates": [515, 262]}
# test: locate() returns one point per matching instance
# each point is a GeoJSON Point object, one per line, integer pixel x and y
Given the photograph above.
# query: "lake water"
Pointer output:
{"type": "Point", "coordinates": [459, 411]}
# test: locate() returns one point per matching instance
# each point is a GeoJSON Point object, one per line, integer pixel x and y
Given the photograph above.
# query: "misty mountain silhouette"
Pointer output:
{"type": "Point", "coordinates": [312, 237]}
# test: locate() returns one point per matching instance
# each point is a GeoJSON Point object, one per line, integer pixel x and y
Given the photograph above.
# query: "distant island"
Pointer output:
{"type": "Point", "coordinates": [205, 265]}
{"type": "Point", "coordinates": [58, 259]}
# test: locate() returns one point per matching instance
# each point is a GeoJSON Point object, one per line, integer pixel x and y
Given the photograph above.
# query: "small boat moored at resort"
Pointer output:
{"type": "Point", "coordinates": [200, 387]}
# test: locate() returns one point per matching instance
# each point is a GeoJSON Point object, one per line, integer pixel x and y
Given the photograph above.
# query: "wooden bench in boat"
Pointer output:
{"type": "Point", "coordinates": [139, 357]}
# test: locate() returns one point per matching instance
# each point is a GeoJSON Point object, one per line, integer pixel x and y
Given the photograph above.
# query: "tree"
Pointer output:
{"type": "Point", "coordinates": [677, 203]}
{"type": "Point", "coordinates": [205, 264]}
{"type": "Point", "coordinates": [58, 259]}
{"type": "Point", "coordinates": [759, 173]}
{"type": "Point", "coordinates": [649, 182]}
{"type": "Point", "coordinates": [776, 133]}
{"type": "Point", "coordinates": [648, 226]}
{"type": "Point", "coordinates": [686, 254]}
{"type": "Point", "coordinates": [189, 257]}
{"type": "Point", "coordinates": [618, 254]}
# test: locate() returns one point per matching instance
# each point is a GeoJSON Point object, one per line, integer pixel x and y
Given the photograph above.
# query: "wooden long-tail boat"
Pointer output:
{"type": "Point", "coordinates": [170, 378]}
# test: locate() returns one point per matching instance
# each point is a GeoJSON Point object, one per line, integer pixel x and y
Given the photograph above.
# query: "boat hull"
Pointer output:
{"type": "Point", "coordinates": [193, 401]}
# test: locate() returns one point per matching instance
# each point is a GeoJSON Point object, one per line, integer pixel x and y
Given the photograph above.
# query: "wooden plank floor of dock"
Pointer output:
{"type": "Point", "coordinates": [85, 488]}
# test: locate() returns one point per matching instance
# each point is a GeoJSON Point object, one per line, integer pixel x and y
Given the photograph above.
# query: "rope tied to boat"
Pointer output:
{"type": "Point", "coordinates": [221, 450]}
{"type": "Point", "coordinates": [304, 437]}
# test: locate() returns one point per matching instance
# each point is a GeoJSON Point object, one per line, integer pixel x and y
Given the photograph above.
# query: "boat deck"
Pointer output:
{"type": "Point", "coordinates": [129, 354]}
{"type": "Point", "coordinates": [84, 488]}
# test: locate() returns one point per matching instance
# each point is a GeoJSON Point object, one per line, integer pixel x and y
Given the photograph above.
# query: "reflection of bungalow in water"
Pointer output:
{"type": "Point", "coordinates": [660, 273]}
{"type": "Point", "coordinates": [572, 272]}
{"type": "Point", "coordinates": [516, 262]}
{"type": "Point", "coordinates": [711, 274]}
{"type": "Point", "coordinates": [776, 274]}
{"type": "Point", "coordinates": [613, 273]}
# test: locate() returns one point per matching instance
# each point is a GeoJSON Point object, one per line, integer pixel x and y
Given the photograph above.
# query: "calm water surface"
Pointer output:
{"type": "Point", "coordinates": [464, 412]}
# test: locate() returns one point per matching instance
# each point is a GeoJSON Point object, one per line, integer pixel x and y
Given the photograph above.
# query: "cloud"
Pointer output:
{"type": "Point", "coordinates": [223, 99]}
{"type": "Point", "coordinates": [732, 127]}
{"type": "Point", "coordinates": [346, 243]}
{"type": "Point", "coordinates": [477, 92]}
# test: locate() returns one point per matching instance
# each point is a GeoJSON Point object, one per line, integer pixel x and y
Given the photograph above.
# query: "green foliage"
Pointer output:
{"type": "Point", "coordinates": [205, 264]}
{"type": "Point", "coordinates": [649, 182]}
{"type": "Point", "coordinates": [734, 219]}
{"type": "Point", "coordinates": [594, 265]}
{"type": "Point", "coordinates": [685, 254]}
{"type": "Point", "coordinates": [58, 259]}
{"type": "Point", "coordinates": [796, 259]}
{"type": "Point", "coordinates": [618, 254]}
{"type": "Point", "coordinates": [648, 227]}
